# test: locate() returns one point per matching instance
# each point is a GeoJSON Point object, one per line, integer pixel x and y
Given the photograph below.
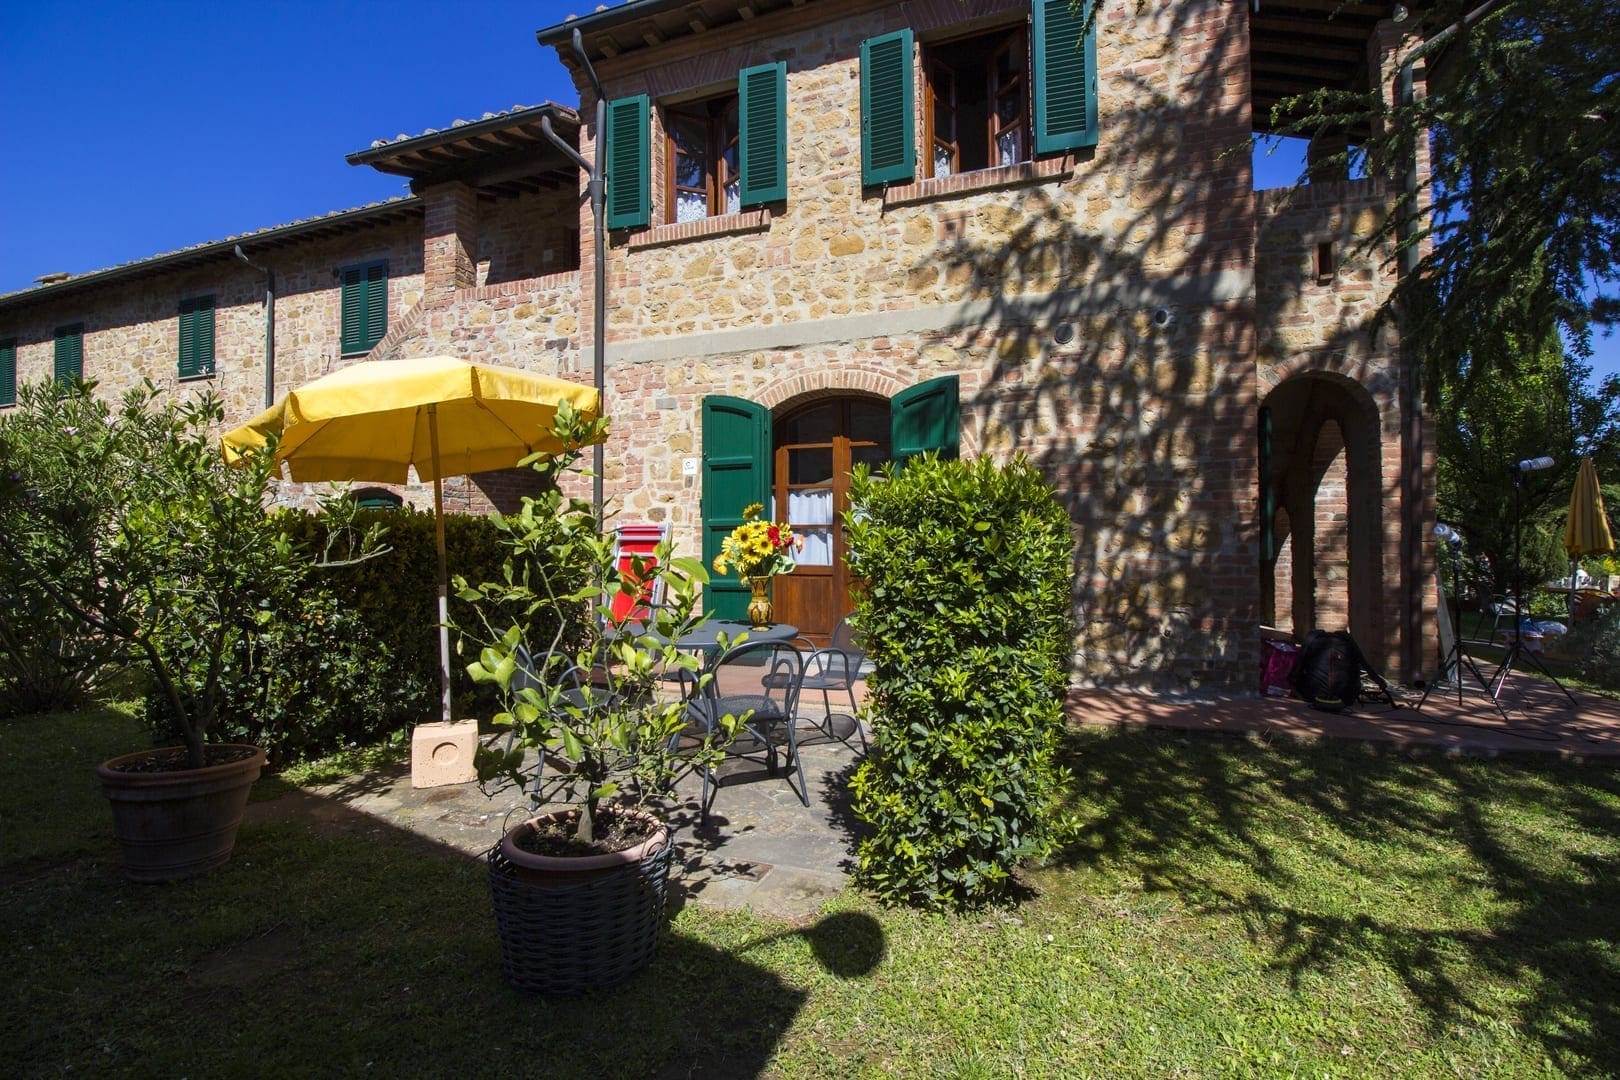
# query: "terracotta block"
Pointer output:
{"type": "Point", "coordinates": [443, 754]}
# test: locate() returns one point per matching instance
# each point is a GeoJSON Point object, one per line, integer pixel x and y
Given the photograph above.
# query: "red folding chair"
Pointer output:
{"type": "Point", "coordinates": [631, 541]}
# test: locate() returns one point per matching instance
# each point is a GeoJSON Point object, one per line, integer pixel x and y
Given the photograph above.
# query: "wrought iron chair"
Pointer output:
{"type": "Point", "coordinates": [769, 714]}
{"type": "Point", "coordinates": [836, 668]}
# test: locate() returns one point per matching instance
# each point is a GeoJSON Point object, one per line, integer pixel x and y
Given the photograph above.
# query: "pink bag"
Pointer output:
{"type": "Point", "coordinates": [1276, 664]}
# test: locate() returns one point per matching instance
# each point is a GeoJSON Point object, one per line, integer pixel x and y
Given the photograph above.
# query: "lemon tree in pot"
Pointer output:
{"type": "Point", "coordinates": [128, 518]}
{"type": "Point", "coordinates": [592, 725]}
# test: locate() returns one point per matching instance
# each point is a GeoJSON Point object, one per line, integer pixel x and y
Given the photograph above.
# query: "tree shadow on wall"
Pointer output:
{"type": "Point", "coordinates": [1116, 323]}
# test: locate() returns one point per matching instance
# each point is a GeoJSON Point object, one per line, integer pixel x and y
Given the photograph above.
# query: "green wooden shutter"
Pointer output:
{"type": "Point", "coordinates": [196, 337]}
{"type": "Point", "coordinates": [762, 93]}
{"type": "Point", "coordinates": [8, 372]}
{"type": "Point", "coordinates": [888, 142]}
{"type": "Point", "coordinates": [628, 203]}
{"type": "Point", "coordinates": [365, 307]}
{"type": "Point", "coordinates": [736, 472]}
{"type": "Point", "coordinates": [926, 417]}
{"type": "Point", "coordinates": [354, 327]}
{"type": "Point", "coordinates": [376, 304]}
{"type": "Point", "coordinates": [1065, 78]}
{"type": "Point", "coordinates": [69, 353]}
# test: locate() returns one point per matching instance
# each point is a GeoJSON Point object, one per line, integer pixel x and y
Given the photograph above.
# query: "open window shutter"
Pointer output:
{"type": "Point", "coordinates": [376, 305]}
{"type": "Point", "coordinates": [188, 338]}
{"type": "Point", "coordinates": [926, 417]}
{"type": "Point", "coordinates": [888, 144]}
{"type": "Point", "coordinates": [8, 372]}
{"type": "Point", "coordinates": [70, 353]}
{"type": "Point", "coordinates": [1065, 78]}
{"type": "Point", "coordinates": [736, 472]}
{"type": "Point", "coordinates": [628, 202]}
{"type": "Point", "coordinates": [762, 94]}
{"type": "Point", "coordinates": [354, 295]}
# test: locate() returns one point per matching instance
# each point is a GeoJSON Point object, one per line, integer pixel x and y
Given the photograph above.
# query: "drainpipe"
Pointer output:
{"type": "Point", "coordinates": [1412, 383]}
{"type": "Point", "coordinates": [269, 326]}
{"type": "Point", "coordinates": [596, 185]}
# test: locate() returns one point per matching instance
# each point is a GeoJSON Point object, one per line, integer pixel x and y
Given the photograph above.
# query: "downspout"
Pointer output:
{"type": "Point", "coordinates": [269, 326]}
{"type": "Point", "coordinates": [1412, 530]}
{"type": "Point", "coordinates": [596, 185]}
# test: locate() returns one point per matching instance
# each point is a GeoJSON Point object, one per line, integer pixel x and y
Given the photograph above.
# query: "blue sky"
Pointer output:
{"type": "Point", "coordinates": [133, 129]}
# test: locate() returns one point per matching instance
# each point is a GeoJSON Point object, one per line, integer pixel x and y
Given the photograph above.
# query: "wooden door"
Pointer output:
{"type": "Point", "coordinates": [815, 449]}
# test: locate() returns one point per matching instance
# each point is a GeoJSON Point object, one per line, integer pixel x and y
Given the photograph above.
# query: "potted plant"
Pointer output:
{"type": "Point", "coordinates": [129, 519]}
{"type": "Point", "coordinates": [598, 733]}
{"type": "Point", "coordinates": [759, 550]}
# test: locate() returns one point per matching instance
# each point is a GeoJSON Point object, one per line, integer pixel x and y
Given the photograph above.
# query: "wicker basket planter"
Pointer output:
{"type": "Point", "coordinates": [571, 925]}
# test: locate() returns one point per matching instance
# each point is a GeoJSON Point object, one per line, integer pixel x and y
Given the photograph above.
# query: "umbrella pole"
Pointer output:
{"type": "Point", "coordinates": [444, 572]}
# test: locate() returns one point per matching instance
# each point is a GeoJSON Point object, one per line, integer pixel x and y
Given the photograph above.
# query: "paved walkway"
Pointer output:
{"type": "Point", "coordinates": [763, 849]}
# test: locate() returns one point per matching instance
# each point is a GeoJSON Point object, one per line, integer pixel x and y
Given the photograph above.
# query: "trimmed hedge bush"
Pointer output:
{"type": "Point", "coordinates": [966, 617]}
{"type": "Point", "coordinates": [356, 661]}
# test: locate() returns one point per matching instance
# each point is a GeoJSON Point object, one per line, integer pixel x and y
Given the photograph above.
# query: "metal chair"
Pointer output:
{"type": "Point", "coordinates": [770, 714]}
{"type": "Point", "coordinates": [836, 667]}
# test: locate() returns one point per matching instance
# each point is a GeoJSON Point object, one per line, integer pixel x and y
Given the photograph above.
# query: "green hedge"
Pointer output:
{"type": "Point", "coordinates": [966, 617]}
{"type": "Point", "coordinates": [357, 661]}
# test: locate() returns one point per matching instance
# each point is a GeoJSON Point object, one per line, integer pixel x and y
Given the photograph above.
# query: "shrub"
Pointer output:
{"type": "Point", "coordinates": [966, 617]}
{"type": "Point", "coordinates": [128, 518]}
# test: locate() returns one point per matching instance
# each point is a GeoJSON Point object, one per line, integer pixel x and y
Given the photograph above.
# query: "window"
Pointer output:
{"type": "Point", "coordinates": [990, 100]}
{"type": "Point", "coordinates": [69, 353]}
{"type": "Point", "coordinates": [724, 154]}
{"type": "Point", "coordinates": [978, 103]}
{"type": "Point", "coordinates": [196, 337]}
{"type": "Point", "coordinates": [365, 307]}
{"type": "Point", "coordinates": [704, 178]}
{"type": "Point", "coordinates": [8, 372]}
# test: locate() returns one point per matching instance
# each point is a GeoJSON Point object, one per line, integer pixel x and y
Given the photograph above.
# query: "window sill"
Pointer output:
{"type": "Point", "coordinates": [1047, 170]}
{"type": "Point", "coordinates": [720, 225]}
{"type": "Point", "coordinates": [201, 376]}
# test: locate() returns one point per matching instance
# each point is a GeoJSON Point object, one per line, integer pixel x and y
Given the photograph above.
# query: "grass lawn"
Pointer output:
{"type": "Point", "coordinates": [1229, 908]}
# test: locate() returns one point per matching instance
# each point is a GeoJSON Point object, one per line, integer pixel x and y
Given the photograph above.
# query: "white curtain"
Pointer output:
{"type": "Point", "coordinates": [811, 512]}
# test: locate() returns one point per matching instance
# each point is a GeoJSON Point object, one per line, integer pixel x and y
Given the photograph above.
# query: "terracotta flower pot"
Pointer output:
{"type": "Point", "coordinates": [178, 822]}
{"type": "Point", "coordinates": [571, 925]}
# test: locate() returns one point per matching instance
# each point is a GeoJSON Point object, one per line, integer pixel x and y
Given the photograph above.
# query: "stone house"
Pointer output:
{"type": "Point", "coordinates": [845, 231]}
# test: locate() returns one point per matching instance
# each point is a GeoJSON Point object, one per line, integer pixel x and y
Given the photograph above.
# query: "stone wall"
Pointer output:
{"type": "Point", "coordinates": [1146, 427]}
{"type": "Point", "coordinates": [131, 329]}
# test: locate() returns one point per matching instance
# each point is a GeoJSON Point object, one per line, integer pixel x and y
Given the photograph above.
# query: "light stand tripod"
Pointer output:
{"type": "Point", "coordinates": [1458, 654]}
{"type": "Point", "coordinates": [1517, 648]}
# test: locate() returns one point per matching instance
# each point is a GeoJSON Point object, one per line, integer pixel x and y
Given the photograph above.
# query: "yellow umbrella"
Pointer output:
{"type": "Point", "coordinates": [444, 416]}
{"type": "Point", "coordinates": [1587, 532]}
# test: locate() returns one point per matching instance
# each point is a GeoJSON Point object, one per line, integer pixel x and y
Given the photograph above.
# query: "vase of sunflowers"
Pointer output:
{"type": "Point", "coordinates": [759, 550]}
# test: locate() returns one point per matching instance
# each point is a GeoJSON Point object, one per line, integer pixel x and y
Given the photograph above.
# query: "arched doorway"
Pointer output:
{"type": "Point", "coordinates": [795, 460]}
{"type": "Point", "coordinates": [1322, 517]}
{"type": "Point", "coordinates": [815, 445]}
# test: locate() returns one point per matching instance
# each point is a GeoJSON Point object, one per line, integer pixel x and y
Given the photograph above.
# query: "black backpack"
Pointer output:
{"type": "Point", "coordinates": [1328, 671]}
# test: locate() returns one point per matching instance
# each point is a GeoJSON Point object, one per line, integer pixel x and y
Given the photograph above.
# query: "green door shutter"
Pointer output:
{"type": "Point", "coordinates": [1065, 78]}
{"type": "Point", "coordinates": [69, 353]}
{"type": "Point", "coordinates": [926, 417]}
{"type": "Point", "coordinates": [762, 93]}
{"type": "Point", "coordinates": [628, 202]}
{"type": "Point", "coordinates": [8, 372]}
{"type": "Point", "coordinates": [888, 145]}
{"type": "Point", "coordinates": [376, 305]}
{"type": "Point", "coordinates": [736, 472]}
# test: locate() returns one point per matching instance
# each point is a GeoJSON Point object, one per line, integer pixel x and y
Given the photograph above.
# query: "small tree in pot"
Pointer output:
{"type": "Point", "coordinates": [128, 518]}
{"type": "Point", "coordinates": [599, 724]}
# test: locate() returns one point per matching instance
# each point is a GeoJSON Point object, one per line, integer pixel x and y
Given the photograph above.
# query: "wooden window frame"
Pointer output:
{"type": "Point", "coordinates": [1016, 38]}
{"type": "Point", "coordinates": [711, 113]}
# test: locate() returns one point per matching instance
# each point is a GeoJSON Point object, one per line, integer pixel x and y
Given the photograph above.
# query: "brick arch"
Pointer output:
{"type": "Point", "coordinates": [826, 383]}
{"type": "Point", "coordinates": [1330, 475]}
